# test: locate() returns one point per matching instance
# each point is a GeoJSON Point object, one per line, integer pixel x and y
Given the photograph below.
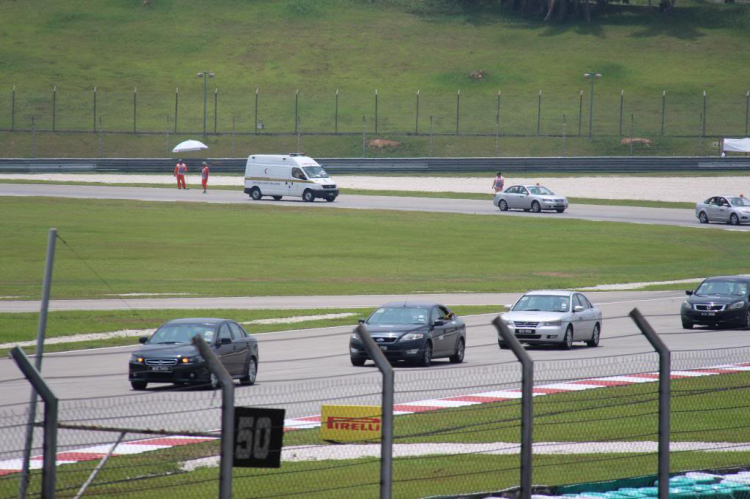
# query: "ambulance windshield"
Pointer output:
{"type": "Point", "coordinates": [315, 172]}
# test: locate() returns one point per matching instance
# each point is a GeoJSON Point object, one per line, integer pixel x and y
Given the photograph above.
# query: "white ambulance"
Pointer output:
{"type": "Point", "coordinates": [294, 175]}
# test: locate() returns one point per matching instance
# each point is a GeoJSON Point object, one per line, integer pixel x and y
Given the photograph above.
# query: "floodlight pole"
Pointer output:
{"type": "Point", "coordinates": [205, 75]}
{"type": "Point", "coordinates": [591, 77]}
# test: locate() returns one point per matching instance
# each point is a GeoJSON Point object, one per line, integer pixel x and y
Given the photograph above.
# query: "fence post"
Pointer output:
{"type": "Point", "coordinates": [622, 105]}
{"type": "Point", "coordinates": [663, 109]}
{"type": "Point", "coordinates": [527, 409]}
{"type": "Point", "coordinates": [665, 367]}
{"type": "Point", "coordinates": [498, 109]}
{"type": "Point", "coordinates": [539, 114]}
{"type": "Point", "coordinates": [416, 124]}
{"type": "Point", "coordinates": [431, 135]}
{"type": "Point", "coordinates": [336, 114]}
{"type": "Point", "coordinates": [33, 137]}
{"type": "Point", "coordinates": [580, 113]}
{"type": "Point", "coordinates": [94, 109]}
{"type": "Point", "coordinates": [564, 129]}
{"type": "Point", "coordinates": [376, 110]}
{"type": "Point", "coordinates": [233, 136]}
{"type": "Point", "coordinates": [747, 109]}
{"type": "Point", "coordinates": [50, 423]}
{"type": "Point", "coordinates": [296, 109]}
{"type": "Point", "coordinates": [364, 137]}
{"type": "Point", "coordinates": [632, 126]}
{"type": "Point", "coordinates": [13, 110]}
{"type": "Point", "coordinates": [54, 108]}
{"type": "Point", "coordinates": [256, 111]}
{"type": "Point", "coordinates": [101, 139]}
{"type": "Point", "coordinates": [386, 443]}
{"type": "Point", "coordinates": [176, 102]}
{"type": "Point", "coordinates": [703, 116]}
{"type": "Point", "coordinates": [458, 109]}
{"type": "Point", "coordinates": [227, 415]}
{"type": "Point", "coordinates": [216, 107]}
{"type": "Point", "coordinates": [135, 109]}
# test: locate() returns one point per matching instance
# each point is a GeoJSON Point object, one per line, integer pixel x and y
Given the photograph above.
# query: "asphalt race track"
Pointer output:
{"type": "Point", "coordinates": [601, 213]}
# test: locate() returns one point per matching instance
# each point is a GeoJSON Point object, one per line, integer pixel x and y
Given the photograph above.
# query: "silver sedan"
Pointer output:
{"type": "Point", "coordinates": [556, 317]}
{"type": "Point", "coordinates": [530, 198]}
{"type": "Point", "coordinates": [726, 209]}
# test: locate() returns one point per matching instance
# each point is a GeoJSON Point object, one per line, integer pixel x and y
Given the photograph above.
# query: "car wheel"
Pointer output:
{"type": "Point", "coordinates": [307, 196]}
{"type": "Point", "coordinates": [503, 205]}
{"type": "Point", "coordinates": [567, 342]}
{"type": "Point", "coordinates": [331, 199]}
{"type": "Point", "coordinates": [747, 318]}
{"type": "Point", "coordinates": [458, 357]}
{"type": "Point", "coordinates": [536, 207]}
{"type": "Point", "coordinates": [560, 210]}
{"type": "Point", "coordinates": [687, 324]}
{"type": "Point", "coordinates": [503, 346]}
{"type": "Point", "coordinates": [277, 198]}
{"type": "Point", "coordinates": [594, 341]}
{"type": "Point", "coordinates": [251, 372]}
{"type": "Point", "coordinates": [703, 218]}
{"type": "Point", "coordinates": [357, 361]}
{"type": "Point", "coordinates": [734, 219]}
{"type": "Point", "coordinates": [255, 194]}
{"type": "Point", "coordinates": [426, 358]}
{"type": "Point", "coordinates": [138, 385]}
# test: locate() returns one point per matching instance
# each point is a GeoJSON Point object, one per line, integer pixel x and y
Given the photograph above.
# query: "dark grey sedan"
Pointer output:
{"type": "Point", "coordinates": [718, 301]}
{"type": "Point", "coordinates": [169, 356]}
{"type": "Point", "coordinates": [416, 332]}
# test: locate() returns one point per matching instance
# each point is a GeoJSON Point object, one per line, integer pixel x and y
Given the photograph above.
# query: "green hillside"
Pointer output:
{"type": "Point", "coordinates": [358, 47]}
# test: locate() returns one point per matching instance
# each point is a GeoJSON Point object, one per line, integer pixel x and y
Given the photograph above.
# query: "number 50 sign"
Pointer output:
{"type": "Point", "coordinates": [258, 437]}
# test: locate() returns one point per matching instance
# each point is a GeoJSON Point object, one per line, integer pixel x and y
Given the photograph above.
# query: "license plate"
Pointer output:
{"type": "Point", "coordinates": [525, 331]}
{"type": "Point", "coordinates": [708, 314]}
{"type": "Point", "coordinates": [383, 348]}
{"type": "Point", "coordinates": [162, 369]}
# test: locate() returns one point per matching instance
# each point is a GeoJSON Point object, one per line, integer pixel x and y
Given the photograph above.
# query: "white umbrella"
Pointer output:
{"type": "Point", "coordinates": [189, 145]}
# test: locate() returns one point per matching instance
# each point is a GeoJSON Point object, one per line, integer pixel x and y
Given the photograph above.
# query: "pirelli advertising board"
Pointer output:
{"type": "Point", "coordinates": [350, 423]}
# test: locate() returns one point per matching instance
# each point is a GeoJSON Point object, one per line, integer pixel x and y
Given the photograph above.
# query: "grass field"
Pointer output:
{"type": "Point", "coordinates": [111, 247]}
{"type": "Point", "coordinates": [709, 409]}
{"type": "Point", "coordinates": [397, 47]}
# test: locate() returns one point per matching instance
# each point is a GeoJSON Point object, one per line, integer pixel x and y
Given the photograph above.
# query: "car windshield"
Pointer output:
{"type": "Point", "coordinates": [739, 201]}
{"type": "Point", "coordinates": [399, 315]}
{"type": "Point", "coordinates": [727, 288]}
{"type": "Point", "coordinates": [540, 191]}
{"type": "Point", "coordinates": [315, 172]}
{"type": "Point", "coordinates": [172, 334]}
{"type": "Point", "coordinates": [542, 303]}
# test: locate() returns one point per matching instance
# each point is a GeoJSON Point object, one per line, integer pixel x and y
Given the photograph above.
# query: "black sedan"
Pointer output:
{"type": "Point", "coordinates": [718, 301]}
{"type": "Point", "coordinates": [168, 356]}
{"type": "Point", "coordinates": [416, 332]}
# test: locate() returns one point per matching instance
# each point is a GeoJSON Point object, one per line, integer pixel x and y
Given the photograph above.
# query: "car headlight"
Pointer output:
{"type": "Point", "coordinates": [412, 337]}
{"type": "Point", "coordinates": [686, 304]}
{"type": "Point", "coordinates": [354, 336]}
{"type": "Point", "coordinates": [509, 322]}
{"type": "Point", "coordinates": [551, 323]}
{"type": "Point", "coordinates": [136, 359]}
{"type": "Point", "coordinates": [197, 359]}
{"type": "Point", "coordinates": [736, 305]}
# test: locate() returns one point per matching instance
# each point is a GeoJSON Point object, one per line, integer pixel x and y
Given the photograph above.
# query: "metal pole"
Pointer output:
{"type": "Point", "coordinates": [703, 127]}
{"type": "Point", "coordinates": [256, 111]}
{"type": "Point", "coordinates": [13, 110]}
{"type": "Point", "coordinates": [135, 107]}
{"type": "Point", "coordinates": [227, 415]}
{"type": "Point", "coordinates": [95, 109]}
{"type": "Point", "coordinates": [101, 135]}
{"type": "Point", "coordinates": [47, 284]}
{"type": "Point", "coordinates": [632, 126]}
{"type": "Point", "coordinates": [49, 453]}
{"type": "Point", "coordinates": [296, 110]}
{"type": "Point", "coordinates": [622, 103]}
{"type": "Point", "coordinates": [747, 109]}
{"type": "Point", "coordinates": [166, 129]}
{"type": "Point", "coordinates": [539, 114]}
{"type": "Point", "coordinates": [564, 129]}
{"type": "Point", "coordinates": [99, 466]}
{"type": "Point", "coordinates": [205, 100]}
{"type": "Point", "coordinates": [431, 136]}
{"type": "Point", "coordinates": [591, 107]}
{"type": "Point", "coordinates": [580, 113]}
{"type": "Point", "coordinates": [54, 108]}
{"type": "Point", "coordinates": [336, 114]}
{"type": "Point", "coordinates": [33, 138]}
{"type": "Point", "coordinates": [458, 109]}
{"type": "Point", "coordinates": [416, 125]}
{"type": "Point", "coordinates": [665, 368]}
{"type": "Point", "coordinates": [233, 136]}
{"type": "Point", "coordinates": [364, 137]}
{"type": "Point", "coordinates": [498, 110]}
{"type": "Point", "coordinates": [386, 443]}
{"type": "Point", "coordinates": [176, 102]}
{"type": "Point", "coordinates": [497, 134]}
{"type": "Point", "coordinates": [216, 107]}
{"type": "Point", "coordinates": [376, 110]}
{"type": "Point", "coordinates": [527, 414]}
{"type": "Point", "coordinates": [663, 109]}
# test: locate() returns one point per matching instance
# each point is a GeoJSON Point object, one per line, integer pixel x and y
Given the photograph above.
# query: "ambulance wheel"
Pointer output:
{"type": "Point", "coordinates": [277, 198]}
{"type": "Point", "coordinates": [308, 196]}
{"type": "Point", "coordinates": [255, 194]}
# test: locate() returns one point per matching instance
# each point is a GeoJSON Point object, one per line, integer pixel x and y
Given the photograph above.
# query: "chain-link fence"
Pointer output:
{"type": "Point", "coordinates": [457, 428]}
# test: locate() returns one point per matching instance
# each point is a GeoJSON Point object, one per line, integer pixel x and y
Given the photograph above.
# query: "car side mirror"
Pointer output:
{"type": "Point", "coordinates": [361, 320]}
{"type": "Point", "coordinates": [439, 322]}
{"type": "Point", "coordinates": [226, 341]}
{"type": "Point", "coordinates": [143, 339]}
{"type": "Point", "coordinates": [577, 309]}
{"type": "Point", "coordinates": [689, 292]}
